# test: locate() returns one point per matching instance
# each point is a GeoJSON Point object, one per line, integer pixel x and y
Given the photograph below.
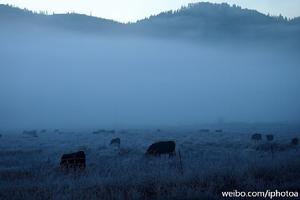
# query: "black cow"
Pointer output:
{"type": "Point", "coordinates": [256, 137]}
{"type": "Point", "coordinates": [32, 133]}
{"type": "Point", "coordinates": [158, 148]}
{"type": "Point", "coordinates": [270, 137]}
{"type": "Point", "coordinates": [295, 141]}
{"type": "Point", "coordinates": [73, 160]}
{"type": "Point", "coordinates": [115, 141]}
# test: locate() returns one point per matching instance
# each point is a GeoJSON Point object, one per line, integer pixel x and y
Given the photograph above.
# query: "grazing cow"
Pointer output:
{"type": "Point", "coordinates": [43, 131]}
{"type": "Point", "coordinates": [56, 130]}
{"type": "Point", "coordinates": [158, 148]}
{"type": "Point", "coordinates": [295, 141]}
{"type": "Point", "coordinates": [219, 130]}
{"type": "Point", "coordinates": [73, 160]}
{"type": "Point", "coordinates": [116, 141]}
{"type": "Point", "coordinates": [256, 137]}
{"type": "Point", "coordinates": [32, 133]}
{"type": "Point", "coordinates": [270, 137]}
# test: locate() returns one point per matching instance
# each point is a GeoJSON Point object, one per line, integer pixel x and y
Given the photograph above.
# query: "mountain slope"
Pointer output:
{"type": "Point", "coordinates": [11, 17]}
{"type": "Point", "coordinates": [217, 20]}
{"type": "Point", "coordinates": [196, 21]}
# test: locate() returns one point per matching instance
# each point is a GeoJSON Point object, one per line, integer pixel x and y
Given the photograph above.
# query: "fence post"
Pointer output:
{"type": "Point", "coordinates": [181, 168]}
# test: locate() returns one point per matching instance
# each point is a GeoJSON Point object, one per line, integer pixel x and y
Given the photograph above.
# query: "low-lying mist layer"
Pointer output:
{"type": "Point", "coordinates": [64, 80]}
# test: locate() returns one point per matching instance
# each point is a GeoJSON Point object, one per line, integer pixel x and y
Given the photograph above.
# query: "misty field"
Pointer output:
{"type": "Point", "coordinates": [204, 65]}
{"type": "Point", "coordinates": [212, 162]}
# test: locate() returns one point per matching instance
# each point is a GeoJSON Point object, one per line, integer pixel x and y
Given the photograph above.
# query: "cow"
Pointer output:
{"type": "Point", "coordinates": [32, 133]}
{"type": "Point", "coordinates": [295, 141]}
{"type": "Point", "coordinates": [163, 147]}
{"type": "Point", "coordinates": [219, 130]}
{"type": "Point", "coordinates": [56, 130]}
{"type": "Point", "coordinates": [73, 160]}
{"type": "Point", "coordinates": [270, 137]}
{"type": "Point", "coordinates": [116, 141]}
{"type": "Point", "coordinates": [256, 137]}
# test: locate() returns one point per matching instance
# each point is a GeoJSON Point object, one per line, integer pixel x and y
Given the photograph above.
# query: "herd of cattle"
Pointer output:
{"type": "Point", "coordinates": [78, 159]}
{"type": "Point", "coordinates": [270, 137]}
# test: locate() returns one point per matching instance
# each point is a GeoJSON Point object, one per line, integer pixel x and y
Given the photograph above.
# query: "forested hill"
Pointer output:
{"type": "Point", "coordinates": [11, 18]}
{"type": "Point", "coordinates": [196, 21]}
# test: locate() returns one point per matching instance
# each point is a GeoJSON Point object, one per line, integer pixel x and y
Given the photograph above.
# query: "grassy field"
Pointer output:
{"type": "Point", "coordinates": [211, 163]}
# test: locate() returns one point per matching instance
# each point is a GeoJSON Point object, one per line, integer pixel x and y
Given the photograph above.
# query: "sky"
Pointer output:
{"type": "Point", "coordinates": [132, 10]}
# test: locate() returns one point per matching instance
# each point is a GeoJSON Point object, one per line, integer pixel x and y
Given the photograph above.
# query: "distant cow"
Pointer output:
{"type": "Point", "coordinates": [115, 141]}
{"type": "Point", "coordinates": [295, 141]}
{"type": "Point", "coordinates": [256, 137]}
{"type": "Point", "coordinates": [43, 131]}
{"type": "Point", "coordinates": [158, 148]}
{"type": "Point", "coordinates": [56, 130]}
{"type": "Point", "coordinates": [32, 133]}
{"type": "Point", "coordinates": [270, 137]}
{"type": "Point", "coordinates": [73, 160]}
{"type": "Point", "coordinates": [219, 130]}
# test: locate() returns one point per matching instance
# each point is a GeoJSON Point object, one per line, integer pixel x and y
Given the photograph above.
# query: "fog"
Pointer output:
{"type": "Point", "coordinates": [79, 81]}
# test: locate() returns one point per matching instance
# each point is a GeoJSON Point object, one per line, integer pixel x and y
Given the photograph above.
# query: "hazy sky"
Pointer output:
{"type": "Point", "coordinates": [131, 10]}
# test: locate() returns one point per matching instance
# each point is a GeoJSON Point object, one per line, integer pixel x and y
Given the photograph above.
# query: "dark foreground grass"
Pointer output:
{"type": "Point", "coordinates": [209, 168]}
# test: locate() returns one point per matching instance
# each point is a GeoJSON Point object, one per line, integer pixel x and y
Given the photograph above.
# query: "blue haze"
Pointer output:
{"type": "Point", "coordinates": [76, 71]}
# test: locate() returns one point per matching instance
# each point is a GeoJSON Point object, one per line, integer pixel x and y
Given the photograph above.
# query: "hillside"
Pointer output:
{"type": "Point", "coordinates": [196, 21]}
{"type": "Point", "coordinates": [15, 18]}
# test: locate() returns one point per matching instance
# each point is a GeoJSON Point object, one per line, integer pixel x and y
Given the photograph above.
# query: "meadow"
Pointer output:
{"type": "Point", "coordinates": [212, 162]}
